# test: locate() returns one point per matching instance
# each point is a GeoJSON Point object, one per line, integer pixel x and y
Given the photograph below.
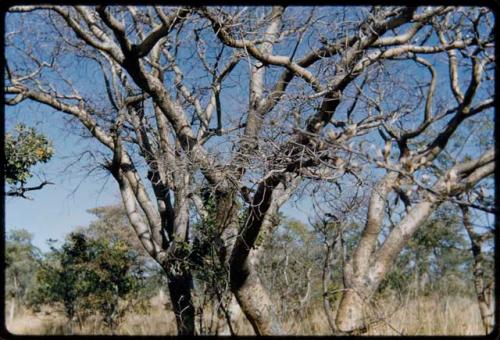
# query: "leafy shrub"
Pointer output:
{"type": "Point", "coordinates": [23, 149]}
{"type": "Point", "coordinates": [89, 276]}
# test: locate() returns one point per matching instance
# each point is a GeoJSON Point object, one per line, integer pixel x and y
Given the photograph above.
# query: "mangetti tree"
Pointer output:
{"type": "Point", "coordinates": [244, 106]}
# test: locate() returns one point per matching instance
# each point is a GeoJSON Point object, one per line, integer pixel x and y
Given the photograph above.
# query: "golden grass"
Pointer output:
{"type": "Point", "coordinates": [158, 322]}
{"type": "Point", "coordinates": [428, 315]}
{"type": "Point", "coordinates": [432, 315]}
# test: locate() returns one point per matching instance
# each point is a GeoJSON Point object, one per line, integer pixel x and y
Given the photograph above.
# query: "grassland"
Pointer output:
{"type": "Point", "coordinates": [426, 315]}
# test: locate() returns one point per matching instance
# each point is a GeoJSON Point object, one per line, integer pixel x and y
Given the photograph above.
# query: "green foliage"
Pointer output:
{"type": "Point", "coordinates": [113, 224]}
{"type": "Point", "coordinates": [397, 279]}
{"type": "Point", "coordinates": [334, 292]}
{"type": "Point", "coordinates": [23, 149]}
{"type": "Point", "coordinates": [299, 230]}
{"type": "Point", "coordinates": [205, 259]}
{"type": "Point", "coordinates": [21, 264]}
{"type": "Point", "coordinates": [89, 276]}
{"type": "Point", "coordinates": [211, 276]}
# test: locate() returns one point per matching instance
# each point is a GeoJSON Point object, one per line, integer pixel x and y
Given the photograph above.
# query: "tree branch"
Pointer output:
{"type": "Point", "coordinates": [20, 192]}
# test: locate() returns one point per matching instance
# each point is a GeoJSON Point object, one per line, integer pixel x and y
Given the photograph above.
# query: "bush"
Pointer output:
{"type": "Point", "coordinates": [23, 149]}
{"type": "Point", "coordinates": [91, 276]}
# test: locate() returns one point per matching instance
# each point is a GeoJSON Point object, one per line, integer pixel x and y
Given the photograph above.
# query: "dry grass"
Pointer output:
{"type": "Point", "coordinates": [427, 315]}
{"type": "Point", "coordinates": [158, 322]}
{"type": "Point", "coordinates": [431, 315]}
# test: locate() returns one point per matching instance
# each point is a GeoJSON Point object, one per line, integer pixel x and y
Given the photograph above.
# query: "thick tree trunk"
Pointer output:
{"type": "Point", "coordinates": [484, 290]}
{"type": "Point", "coordinates": [362, 284]}
{"type": "Point", "coordinates": [254, 301]}
{"type": "Point", "coordinates": [351, 314]}
{"type": "Point", "coordinates": [486, 307]}
{"type": "Point", "coordinates": [180, 287]}
{"type": "Point", "coordinates": [244, 261]}
{"type": "Point", "coordinates": [227, 224]}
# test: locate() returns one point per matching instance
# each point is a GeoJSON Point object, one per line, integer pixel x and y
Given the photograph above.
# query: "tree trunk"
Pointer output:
{"type": "Point", "coordinates": [325, 280]}
{"type": "Point", "coordinates": [487, 308]}
{"type": "Point", "coordinates": [180, 287]}
{"type": "Point", "coordinates": [350, 314]}
{"type": "Point", "coordinates": [484, 290]}
{"type": "Point", "coordinates": [14, 299]}
{"type": "Point", "coordinates": [362, 284]}
{"type": "Point", "coordinates": [12, 310]}
{"type": "Point", "coordinates": [254, 301]}
{"type": "Point", "coordinates": [244, 260]}
{"type": "Point", "coordinates": [234, 313]}
{"type": "Point", "coordinates": [227, 224]}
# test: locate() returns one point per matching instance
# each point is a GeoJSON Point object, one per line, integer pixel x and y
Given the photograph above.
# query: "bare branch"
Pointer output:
{"type": "Point", "coordinates": [21, 191]}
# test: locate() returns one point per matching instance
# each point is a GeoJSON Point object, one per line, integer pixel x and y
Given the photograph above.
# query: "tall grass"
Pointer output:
{"type": "Point", "coordinates": [158, 321]}
{"type": "Point", "coordinates": [425, 315]}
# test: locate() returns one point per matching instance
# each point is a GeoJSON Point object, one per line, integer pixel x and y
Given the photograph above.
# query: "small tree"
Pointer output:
{"type": "Point", "coordinates": [20, 267]}
{"type": "Point", "coordinates": [113, 225]}
{"type": "Point", "coordinates": [24, 148]}
{"type": "Point", "coordinates": [90, 276]}
{"type": "Point", "coordinates": [482, 268]}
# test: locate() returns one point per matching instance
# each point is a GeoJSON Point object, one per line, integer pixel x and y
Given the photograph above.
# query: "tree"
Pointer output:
{"type": "Point", "coordinates": [112, 225]}
{"type": "Point", "coordinates": [253, 106]}
{"type": "Point", "coordinates": [482, 269]}
{"type": "Point", "coordinates": [21, 264]}
{"type": "Point", "coordinates": [90, 276]}
{"type": "Point", "coordinates": [290, 252]}
{"type": "Point", "coordinates": [24, 148]}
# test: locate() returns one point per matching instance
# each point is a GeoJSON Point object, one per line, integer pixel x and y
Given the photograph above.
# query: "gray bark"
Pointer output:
{"type": "Point", "coordinates": [483, 287]}
{"type": "Point", "coordinates": [360, 285]}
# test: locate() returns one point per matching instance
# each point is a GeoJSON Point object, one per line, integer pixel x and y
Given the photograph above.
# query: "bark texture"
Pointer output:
{"type": "Point", "coordinates": [483, 286]}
